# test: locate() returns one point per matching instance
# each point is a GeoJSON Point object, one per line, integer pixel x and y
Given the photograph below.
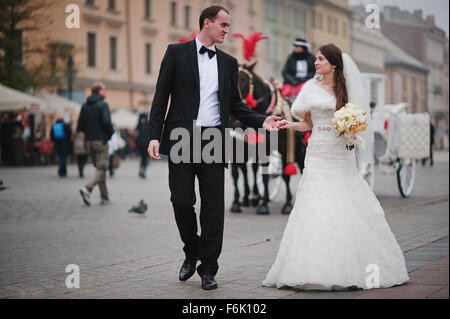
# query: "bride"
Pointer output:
{"type": "Point", "coordinates": [337, 236]}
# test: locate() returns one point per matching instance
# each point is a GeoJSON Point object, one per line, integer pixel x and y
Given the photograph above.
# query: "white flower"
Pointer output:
{"type": "Point", "coordinates": [348, 117]}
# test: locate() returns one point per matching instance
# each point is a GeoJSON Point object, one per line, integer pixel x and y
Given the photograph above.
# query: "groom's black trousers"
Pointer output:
{"type": "Point", "coordinates": [208, 246]}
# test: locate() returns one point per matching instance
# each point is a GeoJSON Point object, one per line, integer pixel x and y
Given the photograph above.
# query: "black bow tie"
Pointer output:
{"type": "Point", "coordinates": [211, 53]}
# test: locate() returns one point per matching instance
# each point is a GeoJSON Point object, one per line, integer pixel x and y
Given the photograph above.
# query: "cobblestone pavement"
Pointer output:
{"type": "Point", "coordinates": [44, 226]}
{"type": "Point", "coordinates": [427, 282]}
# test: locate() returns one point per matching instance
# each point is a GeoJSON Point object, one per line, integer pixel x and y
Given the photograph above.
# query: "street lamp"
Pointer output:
{"type": "Point", "coordinates": [64, 50]}
{"type": "Point", "coordinates": [70, 76]}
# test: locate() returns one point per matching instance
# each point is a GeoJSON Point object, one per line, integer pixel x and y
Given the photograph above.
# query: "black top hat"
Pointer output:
{"type": "Point", "coordinates": [299, 42]}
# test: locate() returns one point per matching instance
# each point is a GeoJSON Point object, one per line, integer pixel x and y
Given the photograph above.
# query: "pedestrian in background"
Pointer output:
{"type": "Point", "coordinates": [431, 146]}
{"type": "Point", "coordinates": [142, 140]}
{"type": "Point", "coordinates": [80, 151]}
{"type": "Point", "coordinates": [95, 122]}
{"type": "Point", "coordinates": [113, 147]}
{"type": "Point", "coordinates": [61, 135]}
{"type": "Point", "coordinates": [18, 143]}
{"type": "Point", "coordinates": [6, 137]}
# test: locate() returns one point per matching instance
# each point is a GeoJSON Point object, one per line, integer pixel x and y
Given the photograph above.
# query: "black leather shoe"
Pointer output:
{"type": "Point", "coordinates": [187, 270]}
{"type": "Point", "coordinates": [208, 282]}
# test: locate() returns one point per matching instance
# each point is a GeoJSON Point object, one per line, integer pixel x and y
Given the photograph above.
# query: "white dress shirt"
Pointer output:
{"type": "Point", "coordinates": [302, 68]}
{"type": "Point", "coordinates": [209, 108]}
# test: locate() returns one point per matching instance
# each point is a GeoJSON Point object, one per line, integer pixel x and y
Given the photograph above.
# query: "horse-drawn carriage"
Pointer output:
{"type": "Point", "coordinates": [401, 138]}
{"type": "Point", "coordinates": [287, 160]}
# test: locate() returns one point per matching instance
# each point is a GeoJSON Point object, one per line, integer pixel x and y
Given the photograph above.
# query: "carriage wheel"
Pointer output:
{"type": "Point", "coordinates": [275, 172]}
{"type": "Point", "coordinates": [369, 175]}
{"type": "Point", "coordinates": [406, 173]}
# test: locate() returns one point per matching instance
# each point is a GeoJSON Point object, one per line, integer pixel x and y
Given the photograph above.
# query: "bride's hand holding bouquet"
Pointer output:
{"type": "Point", "coordinates": [348, 122]}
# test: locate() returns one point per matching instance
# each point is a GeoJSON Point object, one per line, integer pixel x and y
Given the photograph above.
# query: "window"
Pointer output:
{"type": "Point", "coordinates": [91, 49]}
{"type": "Point", "coordinates": [90, 2]}
{"type": "Point", "coordinates": [276, 10]}
{"type": "Point", "coordinates": [404, 89]}
{"type": "Point", "coordinates": [267, 5]}
{"type": "Point", "coordinates": [187, 16]}
{"type": "Point", "coordinates": [113, 53]}
{"type": "Point", "coordinates": [320, 21]}
{"type": "Point", "coordinates": [148, 9]}
{"type": "Point", "coordinates": [173, 10]}
{"type": "Point", "coordinates": [300, 19]}
{"type": "Point", "coordinates": [329, 24]}
{"type": "Point", "coordinates": [271, 11]}
{"type": "Point", "coordinates": [148, 58]}
{"type": "Point", "coordinates": [272, 46]}
{"type": "Point", "coordinates": [291, 14]}
{"type": "Point", "coordinates": [414, 94]}
{"type": "Point", "coordinates": [344, 29]}
{"type": "Point", "coordinates": [16, 37]}
{"type": "Point", "coordinates": [275, 54]}
{"type": "Point", "coordinates": [313, 18]}
{"type": "Point", "coordinates": [112, 5]}
{"type": "Point", "coordinates": [251, 6]}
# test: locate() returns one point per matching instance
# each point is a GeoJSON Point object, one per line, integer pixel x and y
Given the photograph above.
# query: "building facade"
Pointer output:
{"type": "Point", "coordinates": [406, 78]}
{"type": "Point", "coordinates": [318, 21]}
{"type": "Point", "coordinates": [445, 139]}
{"type": "Point", "coordinates": [122, 43]}
{"type": "Point", "coordinates": [283, 21]}
{"type": "Point", "coordinates": [330, 23]}
{"type": "Point", "coordinates": [423, 40]}
{"type": "Point", "coordinates": [367, 47]}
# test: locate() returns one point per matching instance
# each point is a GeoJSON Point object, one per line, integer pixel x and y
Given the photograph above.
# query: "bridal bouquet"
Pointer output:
{"type": "Point", "coordinates": [348, 122]}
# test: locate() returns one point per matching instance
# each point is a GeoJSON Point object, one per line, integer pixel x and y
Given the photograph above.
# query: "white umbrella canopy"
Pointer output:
{"type": "Point", "coordinates": [12, 100]}
{"type": "Point", "coordinates": [57, 104]}
{"type": "Point", "coordinates": [124, 118]}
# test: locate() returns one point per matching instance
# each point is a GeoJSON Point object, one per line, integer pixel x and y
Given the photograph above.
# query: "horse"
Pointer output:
{"type": "Point", "coordinates": [265, 98]}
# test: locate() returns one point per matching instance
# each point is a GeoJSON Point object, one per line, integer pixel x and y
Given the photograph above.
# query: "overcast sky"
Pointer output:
{"type": "Point", "coordinates": [439, 8]}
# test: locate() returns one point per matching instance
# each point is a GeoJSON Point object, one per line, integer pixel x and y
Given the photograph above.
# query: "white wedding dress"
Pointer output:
{"type": "Point", "coordinates": [337, 229]}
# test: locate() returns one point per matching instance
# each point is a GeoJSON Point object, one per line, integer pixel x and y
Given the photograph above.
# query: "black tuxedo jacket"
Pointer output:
{"type": "Point", "coordinates": [179, 79]}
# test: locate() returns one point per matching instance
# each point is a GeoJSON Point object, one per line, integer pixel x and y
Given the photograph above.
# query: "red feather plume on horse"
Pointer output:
{"type": "Point", "coordinates": [249, 44]}
{"type": "Point", "coordinates": [248, 51]}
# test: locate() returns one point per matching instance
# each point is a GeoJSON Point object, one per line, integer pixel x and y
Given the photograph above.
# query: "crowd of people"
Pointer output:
{"type": "Point", "coordinates": [68, 143]}
{"type": "Point", "coordinates": [11, 140]}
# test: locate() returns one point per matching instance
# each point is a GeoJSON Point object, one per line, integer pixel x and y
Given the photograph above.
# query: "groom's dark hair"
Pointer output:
{"type": "Point", "coordinates": [211, 14]}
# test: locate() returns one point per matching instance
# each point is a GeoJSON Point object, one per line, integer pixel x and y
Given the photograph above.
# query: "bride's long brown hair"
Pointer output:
{"type": "Point", "coordinates": [334, 55]}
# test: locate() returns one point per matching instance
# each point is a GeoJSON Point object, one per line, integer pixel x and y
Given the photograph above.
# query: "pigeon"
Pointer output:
{"type": "Point", "coordinates": [2, 187]}
{"type": "Point", "coordinates": [139, 209]}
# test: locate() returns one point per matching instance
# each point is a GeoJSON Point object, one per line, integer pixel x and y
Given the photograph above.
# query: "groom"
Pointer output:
{"type": "Point", "coordinates": [201, 81]}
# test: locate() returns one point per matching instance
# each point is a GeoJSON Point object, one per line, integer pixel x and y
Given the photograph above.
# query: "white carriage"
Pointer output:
{"type": "Point", "coordinates": [401, 138]}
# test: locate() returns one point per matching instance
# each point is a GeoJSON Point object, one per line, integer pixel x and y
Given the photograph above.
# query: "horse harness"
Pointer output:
{"type": "Point", "coordinates": [272, 93]}
{"type": "Point", "coordinates": [278, 106]}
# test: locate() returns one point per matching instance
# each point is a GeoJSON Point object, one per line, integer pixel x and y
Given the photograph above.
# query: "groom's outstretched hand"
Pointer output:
{"type": "Point", "coordinates": [271, 123]}
{"type": "Point", "coordinates": [153, 150]}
